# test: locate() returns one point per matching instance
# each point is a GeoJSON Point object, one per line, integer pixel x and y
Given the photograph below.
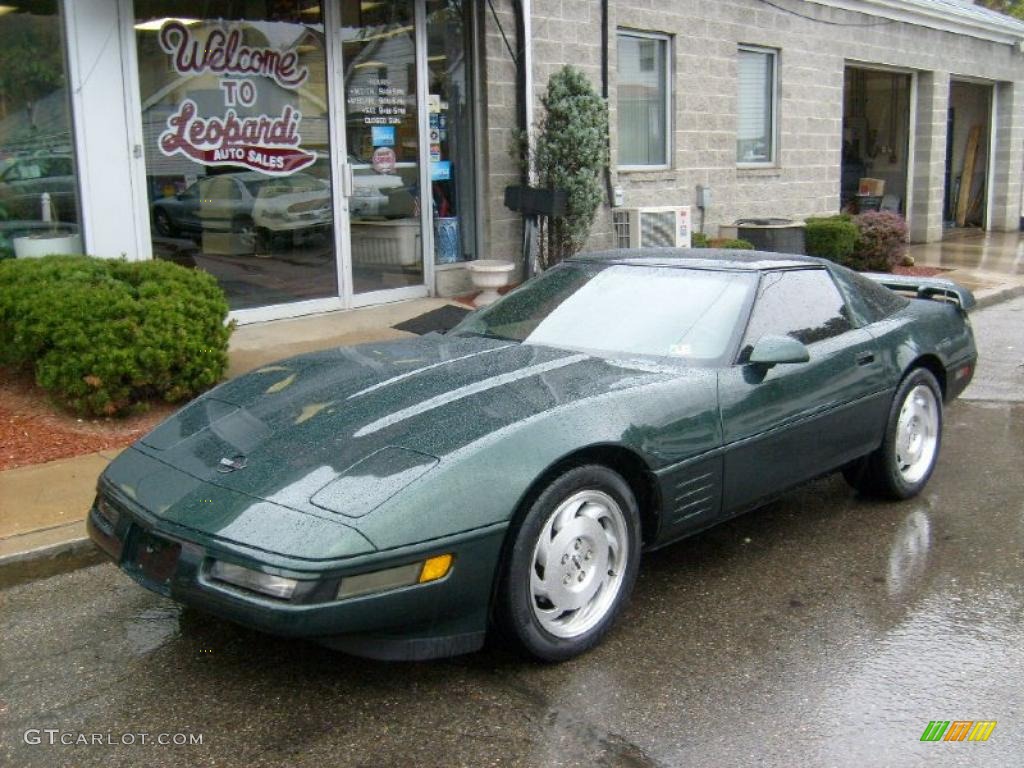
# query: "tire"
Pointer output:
{"type": "Point", "coordinates": [162, 223]}
{"type": "Point", "coordinates": [901, 466]}
{"type": "Point", "coordinates": [559, 600]}
{"type": "Point", "coordinates": [244, 229]}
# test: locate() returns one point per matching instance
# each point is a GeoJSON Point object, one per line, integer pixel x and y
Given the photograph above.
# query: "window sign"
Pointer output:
{"type": "Point", "coordinates": [269, 143]}
{"type": "Point", "coordinates": [383, 135]}
{"type": "Point", "coordinates": [236, 137]}
{"type": "Point", "coordinates": [441, 170]}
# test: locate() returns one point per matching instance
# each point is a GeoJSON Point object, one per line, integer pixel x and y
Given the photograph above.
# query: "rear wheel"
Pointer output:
{"type": "Point", "coordinates": [162, 223]}
{"type": "Point", "coordinates": [572, 565]}
{"type": "Point", "coordinates": [902, 465]}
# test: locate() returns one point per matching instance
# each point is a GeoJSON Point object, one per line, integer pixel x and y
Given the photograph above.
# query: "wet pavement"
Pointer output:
{"type": "Point", "coordinates": [823, 630]}
{"type": "Point", "coordinates": [978, 259]}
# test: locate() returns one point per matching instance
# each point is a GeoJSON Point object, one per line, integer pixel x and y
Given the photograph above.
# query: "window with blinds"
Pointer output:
{"type": "Point", "coordinates": [755, 131]}
{"type": "Point", "coordinates": [643, 99]}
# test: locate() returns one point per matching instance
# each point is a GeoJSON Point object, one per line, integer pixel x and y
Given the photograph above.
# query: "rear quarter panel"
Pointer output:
{"type": "Point", "coordinates": [924, 328]}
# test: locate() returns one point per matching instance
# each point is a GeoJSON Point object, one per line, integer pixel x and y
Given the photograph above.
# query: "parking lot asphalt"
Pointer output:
{"type": "Point", "coordinates": [822, 630]}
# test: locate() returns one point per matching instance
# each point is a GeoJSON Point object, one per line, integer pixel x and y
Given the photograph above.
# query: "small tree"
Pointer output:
{"type": "Point", "coordinates": [570, 153]}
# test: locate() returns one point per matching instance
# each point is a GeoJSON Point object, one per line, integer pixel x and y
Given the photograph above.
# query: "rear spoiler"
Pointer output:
{"type": "Point", "coordinates": [927, 288]}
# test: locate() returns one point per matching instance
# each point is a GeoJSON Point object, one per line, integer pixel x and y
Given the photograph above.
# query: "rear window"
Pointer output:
{"type": "Point", "coordinates": [869, 300]}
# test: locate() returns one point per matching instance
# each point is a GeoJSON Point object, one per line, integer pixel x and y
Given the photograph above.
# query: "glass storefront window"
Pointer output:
{"type": "Point", "coordinates": [452, 153]}
{"type": "Point", "coordinates": [236, 128]}
{"type": "Point", "coordinates": [38, 183]}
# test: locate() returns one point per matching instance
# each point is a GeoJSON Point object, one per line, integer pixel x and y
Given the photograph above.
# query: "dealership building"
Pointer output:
{"type": "Point", "coordinates": [328, 154]}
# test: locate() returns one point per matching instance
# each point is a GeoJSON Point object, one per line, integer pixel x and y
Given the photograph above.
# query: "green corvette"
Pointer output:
{"type": "Point", "coordinates": [400, 500]}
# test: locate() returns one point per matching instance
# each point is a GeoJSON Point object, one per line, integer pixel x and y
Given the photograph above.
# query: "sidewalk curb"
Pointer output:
{"type": "Point", "coordinates": [989, 296]}
{"type": "Point", "coordinates": [49, 560]}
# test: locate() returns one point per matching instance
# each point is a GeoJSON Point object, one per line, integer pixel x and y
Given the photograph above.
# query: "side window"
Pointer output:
{"type": "Point", "coordinates": [804, 304]}
{"type": "Point", "coordinates": [868, 299]}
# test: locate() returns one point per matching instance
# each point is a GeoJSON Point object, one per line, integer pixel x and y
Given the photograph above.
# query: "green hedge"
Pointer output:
{"type": "Point", "coordinates": [104, 336]}
{"type": "Point", "coordinates": [833, 237]}
{"type": "Point", "coordinates": [700, 240]}
{"type": "Point", "coordinates": [873, 241]}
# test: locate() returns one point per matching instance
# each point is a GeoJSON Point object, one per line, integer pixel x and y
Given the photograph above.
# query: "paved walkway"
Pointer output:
{"type": "Point", "coordinates": [978, 260]}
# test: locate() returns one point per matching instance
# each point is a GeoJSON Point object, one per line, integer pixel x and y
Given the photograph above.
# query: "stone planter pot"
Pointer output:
{"type": "Point", "coordinates": [488, 276]}
{"type": "Point", "coordinates": [34, 246]}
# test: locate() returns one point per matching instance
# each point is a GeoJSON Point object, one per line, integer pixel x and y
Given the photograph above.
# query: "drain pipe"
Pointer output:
{"type": "Point", "coordinates": [526, 63]}
{"type": "Point", "coordinates": [609, 187]}
{"type": "Point", "coordinates": [524, 88]}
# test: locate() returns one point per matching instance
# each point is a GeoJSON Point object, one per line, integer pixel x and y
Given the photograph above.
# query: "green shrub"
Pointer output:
{"type": "Point", "coordinates": [104, 336]}
{"type": "Point", "coordinates": [700, 240]}
{"type": "Point", "coordinates": [570, 153]}
{"type": "Point", "coordinates": [731, 244]}
{"type": "Point", "coordinates": [881, 241]}
{"type": "Point", "coordinates": [833, 237]}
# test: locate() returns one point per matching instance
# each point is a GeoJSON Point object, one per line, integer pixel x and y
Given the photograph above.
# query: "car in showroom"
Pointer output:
{"type": "Point", "coordinates": [245, 203]}
{"type": "Point", "coordinates": [24, 181]}
{"type": "Point", "coordinates": [401, 500]}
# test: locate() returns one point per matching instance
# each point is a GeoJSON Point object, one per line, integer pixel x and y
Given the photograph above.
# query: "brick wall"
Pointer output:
{"type": "Point", "coordinates": [813, 56]}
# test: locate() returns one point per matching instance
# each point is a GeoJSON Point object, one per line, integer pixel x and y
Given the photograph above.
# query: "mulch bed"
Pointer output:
{"type": "Point", "coordinates": [33, 430]}
{"type": "Point", "coordinates": [919, 271]}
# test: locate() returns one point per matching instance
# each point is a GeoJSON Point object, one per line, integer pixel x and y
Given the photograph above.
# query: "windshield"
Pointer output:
{"type": "Point", "coordinates": [622, 309]}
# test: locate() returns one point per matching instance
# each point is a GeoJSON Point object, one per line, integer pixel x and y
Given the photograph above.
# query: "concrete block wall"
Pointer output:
{"type": "Point", "coordinates": [1008, 157]}
{"type": "Point", "coordinates": [503, 229]}
{"type": "Point", "coordinates": [813, 55]}
{"type": "Point", "coordinates": [928, 184]}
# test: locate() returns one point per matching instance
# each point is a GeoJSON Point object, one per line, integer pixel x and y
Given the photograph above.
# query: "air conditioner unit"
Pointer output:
{"type": "Point", "coordinates": [658, 227]}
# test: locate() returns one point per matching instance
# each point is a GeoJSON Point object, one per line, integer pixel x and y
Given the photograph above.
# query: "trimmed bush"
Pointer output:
{"type": "Point", "coordinates": [833, 237]}
{"type": "Point", "coordinates": [700, 240]}
{"type": "Point", "coordinates": [731, 244]}
{"type": "Point", "coordinates": [105, 336]}
{"type": "Point", "coordinates": [881, 241]}
{"type": "Point", "coordinates": [570, 153]}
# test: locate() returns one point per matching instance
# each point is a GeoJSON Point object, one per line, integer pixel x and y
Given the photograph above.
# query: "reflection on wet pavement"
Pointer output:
{"type": "Point", "coordinates": [999, 253]}
{"type": "Point", "coordinates": [821, 630]}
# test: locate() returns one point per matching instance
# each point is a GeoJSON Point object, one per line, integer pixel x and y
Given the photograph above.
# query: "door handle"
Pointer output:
{"type": "Point", "coordinates": [865, 358]}
{"type": "Point", "coordinates": [348, 182]}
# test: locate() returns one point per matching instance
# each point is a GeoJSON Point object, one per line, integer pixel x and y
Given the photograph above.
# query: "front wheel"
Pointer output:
{"type": "Point", "coordinates": [901, 466]}
{"type": "Point", "coordinates": [572, 565]}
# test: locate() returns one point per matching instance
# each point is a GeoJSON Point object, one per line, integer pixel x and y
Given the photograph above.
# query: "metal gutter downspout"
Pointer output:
{"type": "Point", "coordinates": [526, 48]}
{"type": "Point", "coordinates": [605, 35]}
{"type": "Point", "coordinates": [524, 81]}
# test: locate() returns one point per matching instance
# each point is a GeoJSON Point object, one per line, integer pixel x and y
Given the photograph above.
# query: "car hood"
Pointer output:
{"type": "Point", "coordinates": [380, 414]}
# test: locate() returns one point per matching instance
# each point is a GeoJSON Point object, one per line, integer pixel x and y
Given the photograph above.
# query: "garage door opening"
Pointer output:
{"type": "Point", "coordinates": [967, 155]}
{"type": "Point", "coordinates": [876, 140]}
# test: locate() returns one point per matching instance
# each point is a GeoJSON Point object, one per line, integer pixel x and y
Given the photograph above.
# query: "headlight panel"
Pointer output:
{"type": "Point", "coordinates": [279, 587]}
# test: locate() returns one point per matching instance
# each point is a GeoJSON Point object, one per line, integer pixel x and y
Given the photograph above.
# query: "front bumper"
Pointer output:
{"type": "Point", "coordinates": [440, 618]}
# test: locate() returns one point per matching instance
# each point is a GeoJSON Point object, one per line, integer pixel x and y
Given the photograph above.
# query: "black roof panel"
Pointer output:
{"type": "Point", "coordinates": [700, 258]}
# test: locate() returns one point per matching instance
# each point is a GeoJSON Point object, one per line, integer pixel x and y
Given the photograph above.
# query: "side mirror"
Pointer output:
{"type": "Point", "coordinates": [778, 350]}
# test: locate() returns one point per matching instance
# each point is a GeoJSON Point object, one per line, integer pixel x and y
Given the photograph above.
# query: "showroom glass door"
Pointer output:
{"type": "Point", "coordinates": [380, 60]}
{"type": "Point", "coordinates": [236, 136]}
{"type": "Point", "coordinates": [408, 116]}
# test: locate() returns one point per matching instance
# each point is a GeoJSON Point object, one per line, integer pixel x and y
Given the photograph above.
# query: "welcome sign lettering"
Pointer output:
{"type": "Point", "coordinates": [266, 143]}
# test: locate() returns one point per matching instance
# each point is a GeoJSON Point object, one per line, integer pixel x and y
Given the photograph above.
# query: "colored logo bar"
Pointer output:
{"type": "Point", "coordinates": [958, 730]}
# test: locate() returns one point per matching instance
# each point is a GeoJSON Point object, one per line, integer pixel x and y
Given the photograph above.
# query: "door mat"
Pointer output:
{"type": "Point", "coordinates": [441, 320]}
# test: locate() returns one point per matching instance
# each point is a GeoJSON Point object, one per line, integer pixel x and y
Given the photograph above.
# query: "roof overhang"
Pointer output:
{"type": "Point", "coordinates": [947, 17]}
